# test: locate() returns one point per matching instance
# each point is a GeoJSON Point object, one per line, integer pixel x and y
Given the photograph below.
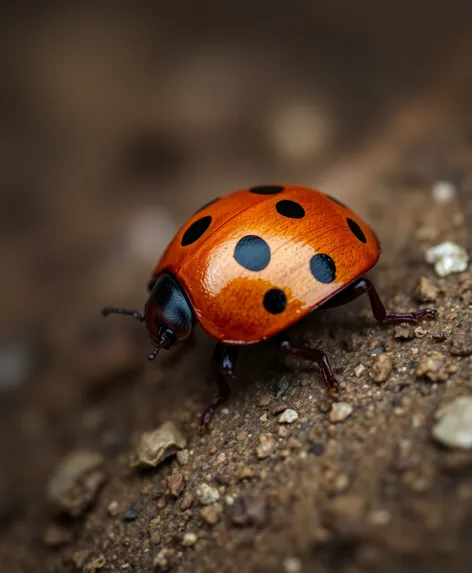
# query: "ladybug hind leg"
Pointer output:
{"type": "Point", "coordinates": [223, 364]}
{"type": "Point", "coordinates": [363, 286]}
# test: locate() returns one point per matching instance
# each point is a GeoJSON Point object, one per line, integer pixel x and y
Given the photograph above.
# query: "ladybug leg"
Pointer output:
{"type": "Point", "coordinates": [313, 355]}
{"type": "Point", "coordinates": [364, 286]}
{"type": "Point", "coordinates": [223, 364]}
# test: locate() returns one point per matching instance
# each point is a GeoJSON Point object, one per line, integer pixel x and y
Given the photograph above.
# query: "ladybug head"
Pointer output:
{"type": "Point", "coordinates": [168, 315]}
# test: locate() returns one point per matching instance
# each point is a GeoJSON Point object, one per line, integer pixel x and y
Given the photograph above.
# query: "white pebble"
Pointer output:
{"type": "Point", "coordinates": [288, 416]}
{"type": "Point", "coordinates": [454, 427]}
{"type": "Point", "coordinates": [207, 494]}
{"type": "Point", "coordinates": [443, 191]}
{"type": "Point", "coordinates": [340, 411]}
{"type": "Point", "coordinates": [447, 258]}
{"type": "Point", "coordinates": [292, 565]}
{"type": "Point", "coordinates": [189, 539]}
{"type": "Point", "coordinates": [359, 370]}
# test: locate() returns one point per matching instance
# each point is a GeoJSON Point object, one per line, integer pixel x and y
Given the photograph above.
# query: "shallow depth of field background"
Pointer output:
{"type": "Point", "coordinates": [116, 123]}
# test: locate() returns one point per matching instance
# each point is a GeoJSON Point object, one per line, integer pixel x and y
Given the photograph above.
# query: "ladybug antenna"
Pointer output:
{"type": "Point", "coordinates": [164, 342]}
{"type": "Point", "coordinates": [113, 310]}
{"type": "Point", "coordinates": [153, 354]}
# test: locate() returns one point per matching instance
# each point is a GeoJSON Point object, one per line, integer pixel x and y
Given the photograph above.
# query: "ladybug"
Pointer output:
{"type": "Point", "coordinates": [249, 264]}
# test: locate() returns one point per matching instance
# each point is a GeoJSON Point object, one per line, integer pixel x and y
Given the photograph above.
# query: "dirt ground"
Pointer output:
{"type": "Point", "coordinates": [360, 487]}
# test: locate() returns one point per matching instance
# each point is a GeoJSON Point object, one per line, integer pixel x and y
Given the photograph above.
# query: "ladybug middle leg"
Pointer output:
{"type": "Point", "coordinates": [363, 286]}
{"type": "Point", "coordinates": [223, 364]}
{"type": "Point", "coordinates": [313, 355]}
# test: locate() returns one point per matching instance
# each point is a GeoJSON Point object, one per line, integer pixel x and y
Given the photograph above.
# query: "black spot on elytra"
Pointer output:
{"type": "Point", "coordinates": [323, 268]}
{"type": "Point", "coordinates": [275, 301]}
{"type": "Point", "coordinates": [290, 209]}
{"type": "Point", "coordinates": [266, 189]}
{"type": "Point", "coordinates": [336, 201]}
{"type": "Point", "coordinates": [207, 205]}
{"type": "Point", "coordinates": [357, 231]}
{"type": "Point", "coordinates": [252, 253]}
{"type": "Point", "coordinates": [196, 230]}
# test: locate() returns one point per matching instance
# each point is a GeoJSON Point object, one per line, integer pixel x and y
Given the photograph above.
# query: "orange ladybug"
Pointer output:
{"type": "Point", "coordinates": [248, 265]}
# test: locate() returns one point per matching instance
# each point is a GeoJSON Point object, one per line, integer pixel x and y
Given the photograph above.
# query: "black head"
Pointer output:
{"type": "Point", "coordinates": [168, 315]}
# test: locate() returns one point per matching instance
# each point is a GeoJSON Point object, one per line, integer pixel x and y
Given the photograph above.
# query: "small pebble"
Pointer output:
{"type": "Point", "coordinates": [461, 344]}
{"type": "Point", "coordinates": [283, 431]}
{"type": "Point", "coordinates": [154, 447]}
{"type": "Point", "coordinates": [438, 335]}
{"type": "Point", "coordinates": [182, 457]}
{"type": "Point", "coordinates": [420, 332]}
{"type": "Point", "coordinates": [165, 559]}
{"type": "Point", "coordinates": [187, 500]}
{"type": "Point", "coordinates": [206, 494]}
{"type": "Point", "coordinates": [292, 565]}
{"type": "Point", "coordinates": [155, 538]}
{"type": "Point", "coordinates": [443, 191]}
{"type": "Point", "coordinates": [288, 416]}
{"type": "Point", "coordinates": [265, 400]}
{"type": "Point", "coordinates": [266, 446]}
{"type": "Point", "coordinates": [282, 386]}
{"type": "Point", "coordinates": [264, 417]}
{"type": "Point", "coordinates": [189, 539]}
{"type": "Point", "coordinates": [403, 331]}
{"type": "Point", "coordinates": [76, 482]}
{"type": "Point", "coordinates": [113, 508]}
{"type": "Point", "coordinates": [95, 565]}
{"type": "Point", "coordinates": [447, 258]}
{"type": "Point", "coordinates": [426, 291]}
{"type": "Point", "coordinates": [358, 370]}
{"type": "Point", "coordinates": [339, 412]}
{"type": "Point", "coordinates": [381, 367]}
{"type": "Point", "coordinates": [131, 514]}
{"type": "Point", "coordinates": [433, 367]}
{"type": "Point", "coordinates": [212, 513]}
{"type": "Point", "coordinates": [454, 426]}
{"type": "Point", "coordinates": [175, 484]}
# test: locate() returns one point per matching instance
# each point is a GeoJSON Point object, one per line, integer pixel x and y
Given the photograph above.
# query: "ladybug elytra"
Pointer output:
{"type": "Point", "coordinates": [249, 264]}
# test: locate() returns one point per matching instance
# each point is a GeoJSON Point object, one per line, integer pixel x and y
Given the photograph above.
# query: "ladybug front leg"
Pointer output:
{"type": "Point", "coordinates": [223, 364]}
{"type": "Point", "coordinates": [313, 355]}
{"type": "Point", "coordinates": [363, 286]}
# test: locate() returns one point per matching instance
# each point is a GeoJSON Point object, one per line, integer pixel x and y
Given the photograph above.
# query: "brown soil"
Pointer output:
{"type": "Point", "coordinates": [372, 492]}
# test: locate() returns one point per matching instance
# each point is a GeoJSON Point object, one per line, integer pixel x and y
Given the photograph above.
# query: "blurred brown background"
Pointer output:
{"type": "Point", "coordinates": [118, 120]}
{"type": "Point", "coordinates": [111, 114]}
